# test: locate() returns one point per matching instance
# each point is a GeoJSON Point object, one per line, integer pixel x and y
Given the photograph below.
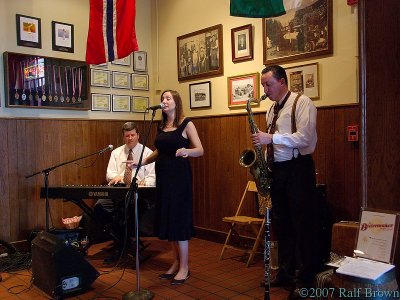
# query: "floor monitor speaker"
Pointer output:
{"type": "Point", "coordinates": [59, 270]}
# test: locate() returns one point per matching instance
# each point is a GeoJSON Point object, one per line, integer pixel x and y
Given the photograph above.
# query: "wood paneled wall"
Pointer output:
{"type": "Point", "coordinates": [32, 145]}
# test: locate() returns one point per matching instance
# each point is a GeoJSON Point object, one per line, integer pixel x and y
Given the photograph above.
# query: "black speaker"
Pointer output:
{"type": "Point", "coordinates": [59, 270]}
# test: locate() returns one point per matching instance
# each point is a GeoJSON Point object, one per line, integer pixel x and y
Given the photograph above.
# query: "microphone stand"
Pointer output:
{"type": "Point", "coordinates": [46, 173]}
{"type": "Point", "coordinates": [139, 294]}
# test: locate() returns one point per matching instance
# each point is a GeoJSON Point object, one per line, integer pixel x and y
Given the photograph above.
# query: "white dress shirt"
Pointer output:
{"type": "Point", "coordinates": [116, 167]}
{"type": "Point", "coordinates": [304, 139]}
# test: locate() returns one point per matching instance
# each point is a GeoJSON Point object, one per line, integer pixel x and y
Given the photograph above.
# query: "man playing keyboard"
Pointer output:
{"type": "Point", "coordinates": [111, 212]}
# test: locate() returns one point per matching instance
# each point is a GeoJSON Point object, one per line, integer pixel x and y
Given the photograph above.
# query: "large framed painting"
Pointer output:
{"type": "Point", "coordinates": [199, 54]}
{"type": "Point", "coordinates": [299, 34]}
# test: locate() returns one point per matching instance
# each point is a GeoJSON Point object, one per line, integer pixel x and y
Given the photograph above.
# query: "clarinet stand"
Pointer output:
{"type": "Point", "coordinates": [139, 294]}
{"type": "Point", "coordinates": [46, 173]}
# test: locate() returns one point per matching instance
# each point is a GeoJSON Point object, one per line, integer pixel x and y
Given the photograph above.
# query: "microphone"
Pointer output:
{"type": "Point", "coordinates": [155, 107]}
{"type": "Point", "coordinates": [110, 147]}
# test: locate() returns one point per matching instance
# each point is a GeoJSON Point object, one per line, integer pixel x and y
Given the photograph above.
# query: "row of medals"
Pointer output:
{"type": "Point", "coordinates": [44, 97]}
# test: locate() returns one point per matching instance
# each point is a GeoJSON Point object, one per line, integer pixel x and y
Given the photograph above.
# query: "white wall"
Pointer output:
{"type": "Point", "coordinates": [74, 12]}
{"type": "Point", "coordinates": [337, 73]}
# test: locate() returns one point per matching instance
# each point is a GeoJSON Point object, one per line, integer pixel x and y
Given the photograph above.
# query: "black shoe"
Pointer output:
{"type": "Point", "coordinates": [166, 276]}
{"type": "Point", "coordinates": [180, 281]}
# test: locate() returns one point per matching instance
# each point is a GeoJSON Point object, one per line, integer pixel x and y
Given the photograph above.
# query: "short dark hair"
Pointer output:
{"type": "Point", "coordinates": [277, 72]}
{"type": "Point", "coordinates": [128, 126]}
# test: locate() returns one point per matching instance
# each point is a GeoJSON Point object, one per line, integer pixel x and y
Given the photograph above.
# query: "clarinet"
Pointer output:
{"type": "Point", "coordinates": [267, 254]}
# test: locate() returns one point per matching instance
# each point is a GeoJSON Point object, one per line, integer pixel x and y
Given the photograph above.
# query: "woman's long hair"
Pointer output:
{"type": "Point", "coordinates": [178, 110]}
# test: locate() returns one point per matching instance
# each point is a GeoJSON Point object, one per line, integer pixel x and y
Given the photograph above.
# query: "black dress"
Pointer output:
{"type": "Point", "coordinates": [174, 217]}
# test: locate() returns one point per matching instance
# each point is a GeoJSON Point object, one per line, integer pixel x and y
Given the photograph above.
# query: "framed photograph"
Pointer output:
{"type": "Point", "coordinates": [126, 61]}
{"type": "Point", "coordinates": [304, 80]}
{"type": "Point", "coordinates": [121, 80]}
{"type": "Point", "coordinates": [299, 34]}
{"type": "Point", "coordinates": [140, 61]}
{"type": "Point", "coordinates": [200, 94]}
{"type": "Point", "coordinates": [139, 103]}
{"type": "Point", "coordinates": [242, 43]}
{"type": "Point", "coordinates": [99, 77]}
{"type": "Point", "coordinates": [241, 89]}
{"type": "Point", "coordinates": [200, 54]}
{"type": "Point", "coordinates": [101, 102]}
{"type": "Point", "coordinates": [63, 36]}
{"type": "Point", "coordinates": [140, 82]}
{"type": "Point", "coordinates": [29, 31]}
{"type": "Point", "coordinates": [121, 103]}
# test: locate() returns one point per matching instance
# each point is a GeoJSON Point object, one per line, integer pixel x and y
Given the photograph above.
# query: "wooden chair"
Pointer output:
{"type": "Point", "coordinates": [239, 223]}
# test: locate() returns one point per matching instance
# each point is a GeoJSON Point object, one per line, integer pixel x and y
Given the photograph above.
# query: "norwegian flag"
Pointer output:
{"type": "Point", "coordinates": [111, 32]}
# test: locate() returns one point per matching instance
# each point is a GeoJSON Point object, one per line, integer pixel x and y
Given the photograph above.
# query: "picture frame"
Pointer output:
{"type": "Point", "coordinates": [100, 77]}
{"type": "Point", "coordinates": [242, 43]}
{"type": "Point", "coordinates": [125, 61]}
{"type": "Point", "coordinates": [304, 79]}
{"type": "Point", "coordinates": [241, 88]}
{"type": "Point", "coordinates": [121, 80]}
{"type": "Point", "coordinates": [101, 102]}
{"type": "Point", "coordinates": [140, 61]}
{"type": "Point", "coordinates": [140, 82]}
{"type": "Point", "coordinates": [204, 46]}
{"type": "Point", "coordinates": [28, 31]}
{"type": "Point", "coordinates": [103, 65]}
{"type": "Point", "coordinates": [62, 36]}
{"type": "Point", "coordinates": [311, 36]}
{"type": "Point", "coordinates": [121, 103]}
{"type": "Point", "coordinates": [140, 103]}
{"type": "Point", "coordinates": [200, 95]}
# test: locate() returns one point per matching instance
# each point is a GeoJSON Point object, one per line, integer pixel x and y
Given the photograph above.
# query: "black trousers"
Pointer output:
{"type": "Point", "coordinates": [293, 194]}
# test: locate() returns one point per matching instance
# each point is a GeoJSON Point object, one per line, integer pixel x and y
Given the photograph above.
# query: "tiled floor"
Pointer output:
{"type": "Point", "coordinates": [210, 278]}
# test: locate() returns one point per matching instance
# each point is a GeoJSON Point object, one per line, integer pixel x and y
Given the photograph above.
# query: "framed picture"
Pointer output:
{"type": "Point", "coordinates": [100, 77]}
{"type": "Point", "coordinates": [103, 65]}
{"type": "Point", "coordinates": [140, 61]}
{"type": "Point", "coordinates": [101, 102]}
{"type": "Point", "coordinates": [139, 103]}
{"type": "Point", "coordinates": [126, 61]}
{"type": "Point", "coordinates": [121, 80]}
{"type": "Point", "coordinates": [299, 34]}
{"type": "Point", "coordinates": [29, 31]}
{"type": "Point", "coordinates": [140, 82]}
{"type": "Point", "coordinates": [304, 79]}
{"type": "Point", "coordinates": [241, 89]}
{"type": "Point", "coordinates": [242, 43]}
{"type": "Point", "coordinates": [200, 54]}
{"type": "Point", "coordinates": [200, 94]}
{"type": "Point", "coordinates": [121, 103]}
{"type": "Point", "coordinates": [63, 36]}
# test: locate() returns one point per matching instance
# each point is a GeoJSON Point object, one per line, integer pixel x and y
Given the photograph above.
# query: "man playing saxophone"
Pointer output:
{"type": "Point", "coordinates": [290, 143]}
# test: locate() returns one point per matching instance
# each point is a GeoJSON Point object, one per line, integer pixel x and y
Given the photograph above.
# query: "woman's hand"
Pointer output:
{"type": "Point", "coordinates": [182, 152]}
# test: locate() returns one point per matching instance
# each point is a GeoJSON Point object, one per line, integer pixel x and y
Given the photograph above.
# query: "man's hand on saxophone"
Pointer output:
{"type": "Point", "coordinates": [261, 138]}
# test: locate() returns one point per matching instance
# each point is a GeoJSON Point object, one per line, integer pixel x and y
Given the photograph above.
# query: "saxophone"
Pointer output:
{"type": "Point", "coordinates": [254, 159]}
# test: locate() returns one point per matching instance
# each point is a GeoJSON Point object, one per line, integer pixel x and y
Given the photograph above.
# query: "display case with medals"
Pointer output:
{"type": "Point", "coordinates": [45, 82]}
